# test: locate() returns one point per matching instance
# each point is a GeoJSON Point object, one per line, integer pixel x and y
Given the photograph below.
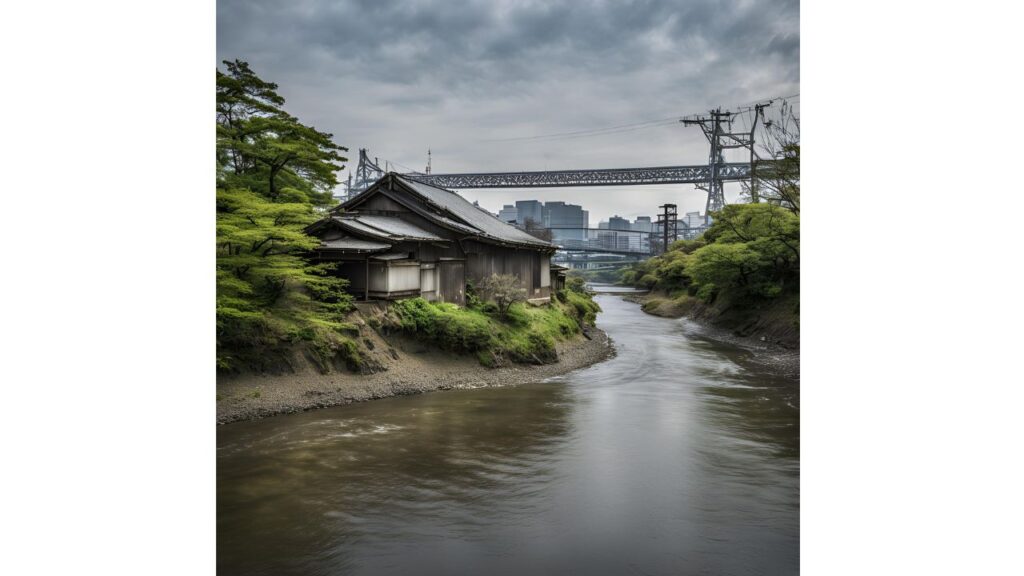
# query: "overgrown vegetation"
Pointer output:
{"type": "Point", "coordinates": [750, 252]}
{"type": "Point", "coordinates": [503, 290]}
{"type": "Point", "coordinates": [748, 261]}
{"type": "Point", "coordinates": [274, 174]}
{"type": "Point", "coordinates": [520, 333]}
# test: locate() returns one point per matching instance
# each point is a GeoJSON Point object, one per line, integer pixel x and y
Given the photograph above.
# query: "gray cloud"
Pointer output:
{"type": "Point", "coordinates": [399, 77]}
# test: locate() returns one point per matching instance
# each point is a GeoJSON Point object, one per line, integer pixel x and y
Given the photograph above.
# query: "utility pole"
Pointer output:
{"type": "Point", "coordinates": [668, 220]}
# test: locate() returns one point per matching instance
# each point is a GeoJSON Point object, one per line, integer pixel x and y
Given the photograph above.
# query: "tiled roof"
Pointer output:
{"type": "Point", "coordinates": [479, 219]}
{"type": "Point", "coordinates": [386, 227]}
{"type": "Point", "coordinates": [353, 244]}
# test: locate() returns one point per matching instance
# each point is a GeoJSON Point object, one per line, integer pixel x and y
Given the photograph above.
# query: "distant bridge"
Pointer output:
{"type": "Point", "coordinates": [619, 242]}
{"type": "Point", "coordinates": [602, 177]}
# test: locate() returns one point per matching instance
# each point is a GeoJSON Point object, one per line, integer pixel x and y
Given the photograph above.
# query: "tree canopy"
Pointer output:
{"type": "Point", "coordinates": [751, 251]}
{"type": "Point", "coordinates": [263, 148]}
{"type": "Point", "coordinates": [273, 173]}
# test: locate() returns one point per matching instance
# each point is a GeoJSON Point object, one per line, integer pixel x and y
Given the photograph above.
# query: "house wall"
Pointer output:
{"type": "Point", "coordinates": [428, 281]}
{"type": "Point", "coordinates": [380, 203]}
{"type": "Point", "coordinates": [530, 266]}
{"type": "Point", "coordinates": [452, 281]}
{"type": "Point", "coordinates": [403, 277]}
{"type": "Point", "coordinates": [355, 272]}
{"type": "Point", "coordinates": [378, 277]}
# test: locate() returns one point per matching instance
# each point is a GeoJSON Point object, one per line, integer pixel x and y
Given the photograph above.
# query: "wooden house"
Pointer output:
{"type": "Point", "coordinates": [401, 238]}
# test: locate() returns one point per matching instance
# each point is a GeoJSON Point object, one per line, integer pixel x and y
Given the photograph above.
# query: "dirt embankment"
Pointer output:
{"type": "Point", "coordinates": [771, 331]}
{"type": "Point", "coordinates": [404, 366]}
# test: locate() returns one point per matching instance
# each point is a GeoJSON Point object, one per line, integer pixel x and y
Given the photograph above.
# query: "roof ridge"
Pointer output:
{"type": "Point", "coordinates": [513, 234]}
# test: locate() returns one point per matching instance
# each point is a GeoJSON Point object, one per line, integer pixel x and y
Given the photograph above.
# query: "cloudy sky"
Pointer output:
{"type": "Point", "coordinates": [477, 80]}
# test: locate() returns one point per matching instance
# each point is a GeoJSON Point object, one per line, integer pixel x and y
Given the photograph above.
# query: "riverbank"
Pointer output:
{"type": "Point", "coordinates": [407, 366]}
{"type": "Point", "coordinates": [768, 335]}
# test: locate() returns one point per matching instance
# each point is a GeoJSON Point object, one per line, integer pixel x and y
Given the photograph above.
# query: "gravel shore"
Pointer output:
{"type": "Point", "coordinates": [412, 368]}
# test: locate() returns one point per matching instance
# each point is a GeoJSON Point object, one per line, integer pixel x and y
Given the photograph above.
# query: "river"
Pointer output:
{"type": "Point", "coordinates": [678, 456]}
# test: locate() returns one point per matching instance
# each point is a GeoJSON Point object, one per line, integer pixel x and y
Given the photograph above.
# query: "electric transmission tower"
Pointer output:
{"type": "Point", "coordinates": [367, 173]}
{"type": "Point", "coordinates": [717, 128]}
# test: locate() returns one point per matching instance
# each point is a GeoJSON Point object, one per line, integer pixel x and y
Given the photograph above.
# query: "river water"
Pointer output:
{"type": "Point", "coordinates": [677, 456]}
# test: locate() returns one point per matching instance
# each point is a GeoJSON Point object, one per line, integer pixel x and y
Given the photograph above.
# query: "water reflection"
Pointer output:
{"type": "Point", "coordinates": [298, 492]}
{"type": "Point", "coordinates": [675, 457]}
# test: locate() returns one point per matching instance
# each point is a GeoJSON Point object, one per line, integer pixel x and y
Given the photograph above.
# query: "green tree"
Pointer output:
{"type": "Point", "coordinates": [272, 174]}
{"type": "Point", "coordinates": [265, 149]}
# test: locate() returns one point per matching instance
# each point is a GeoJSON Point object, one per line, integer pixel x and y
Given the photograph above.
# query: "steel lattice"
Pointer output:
{"type": "Point", "coordinates": [605, 177]}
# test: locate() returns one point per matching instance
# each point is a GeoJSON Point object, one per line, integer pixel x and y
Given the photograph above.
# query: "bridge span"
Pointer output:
{"type": "Point", "coordinates": [601, 177]}
{"type": "Point", "coordinates": [619, 242]}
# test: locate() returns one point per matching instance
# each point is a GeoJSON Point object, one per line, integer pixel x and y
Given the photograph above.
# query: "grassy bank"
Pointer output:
{"type": "Point", "coordinates": [524, 334]}
{"type": "Point", "coordinates": [742, 275]}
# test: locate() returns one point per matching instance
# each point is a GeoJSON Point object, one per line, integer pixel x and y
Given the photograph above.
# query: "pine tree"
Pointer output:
{"type": "Point", "coordinates": [273, 172]}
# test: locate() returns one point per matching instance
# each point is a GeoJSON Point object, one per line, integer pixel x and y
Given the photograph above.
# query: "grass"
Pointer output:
{"type": "Point", "coordinates": [263, 342]}
{"type": "Point", "coordinates": [527, 334]}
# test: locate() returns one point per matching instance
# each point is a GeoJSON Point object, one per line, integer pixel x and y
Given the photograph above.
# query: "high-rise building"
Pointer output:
{"type": "Point", "coordinates": [508, 213]}
{"type": "Point", "coordinates": [642, 224]}
{"type": "Point", "coordinates": [693, 220]}
{"type": "Point", "coordinates": [559, 215]}
{"type": "Point", "coordinates": [618, 223]}
{"type": "Point", "coordinates": [529, 210]}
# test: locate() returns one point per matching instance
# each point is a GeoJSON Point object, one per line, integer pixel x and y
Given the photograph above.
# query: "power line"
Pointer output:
{"type": "Point", "coordinates": [595, 131]}
{"type": "Point", "coordinates": [629, 127]}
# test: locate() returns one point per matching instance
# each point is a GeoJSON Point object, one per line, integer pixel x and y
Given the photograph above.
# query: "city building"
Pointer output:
{"type": "Point", "coordinates": [642, 224]}
{"type": "Point", "coordinates": [693, 220]}
{"type": "Point", "coordinates": [559, 215]}
{"type": "Point", "coordinates": [529, 210]}
{"type": "Point", "coordinates": [508, 214]}
{"type": "Point", "coordinates": [618, 223]}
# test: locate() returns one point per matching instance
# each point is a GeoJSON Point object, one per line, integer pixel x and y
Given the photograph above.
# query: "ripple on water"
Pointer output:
{"type": "Point", "coordinates": [673, 457]}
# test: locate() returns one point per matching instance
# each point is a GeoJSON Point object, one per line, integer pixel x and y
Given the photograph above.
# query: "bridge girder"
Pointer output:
{"type": "Point", "coordinates": [603, 177]}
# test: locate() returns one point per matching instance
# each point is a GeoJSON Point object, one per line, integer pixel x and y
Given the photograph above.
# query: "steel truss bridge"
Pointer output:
{"type": "Point", "coordinates": [591, 242]}
{"type": "Point", "coordinates": [602, 177]}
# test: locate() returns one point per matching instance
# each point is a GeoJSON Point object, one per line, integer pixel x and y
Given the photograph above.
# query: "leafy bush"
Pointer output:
{"type": "Point", "coordinates": [576, 284]}
{"type": "Point", "coordinates": [453, 328]}
{"type": "Point", "coordinates": [503, 290]}
{"type": "Point", "coordinates": [525, 334]}
{"type": "Point", "coordinates": [751, 252]}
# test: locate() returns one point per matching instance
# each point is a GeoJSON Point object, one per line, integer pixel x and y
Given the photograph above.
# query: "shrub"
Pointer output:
{"type": "Point", "coordinates": [503, 290]}
{"type": "Point", "coordinates": [524, 334]}
{"type": "Point", "coordinates": [576, 284]}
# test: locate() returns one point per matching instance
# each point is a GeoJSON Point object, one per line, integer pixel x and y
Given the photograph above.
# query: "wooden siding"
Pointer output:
{"type": "Point", "coordinates": [381, 203]}
{"type": "Point", "coordinates": [378, 277]}
{"type": "Point", "coordinates": [355, 273]}
{"type": "Point", "coordinates": [452, 282]}
{"type": "Point", "coordinates": [530, 266]}
{"type": "Point", "coordinates": [403, 277]}
{"type": "Point", "coordinates": [428, 281]}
